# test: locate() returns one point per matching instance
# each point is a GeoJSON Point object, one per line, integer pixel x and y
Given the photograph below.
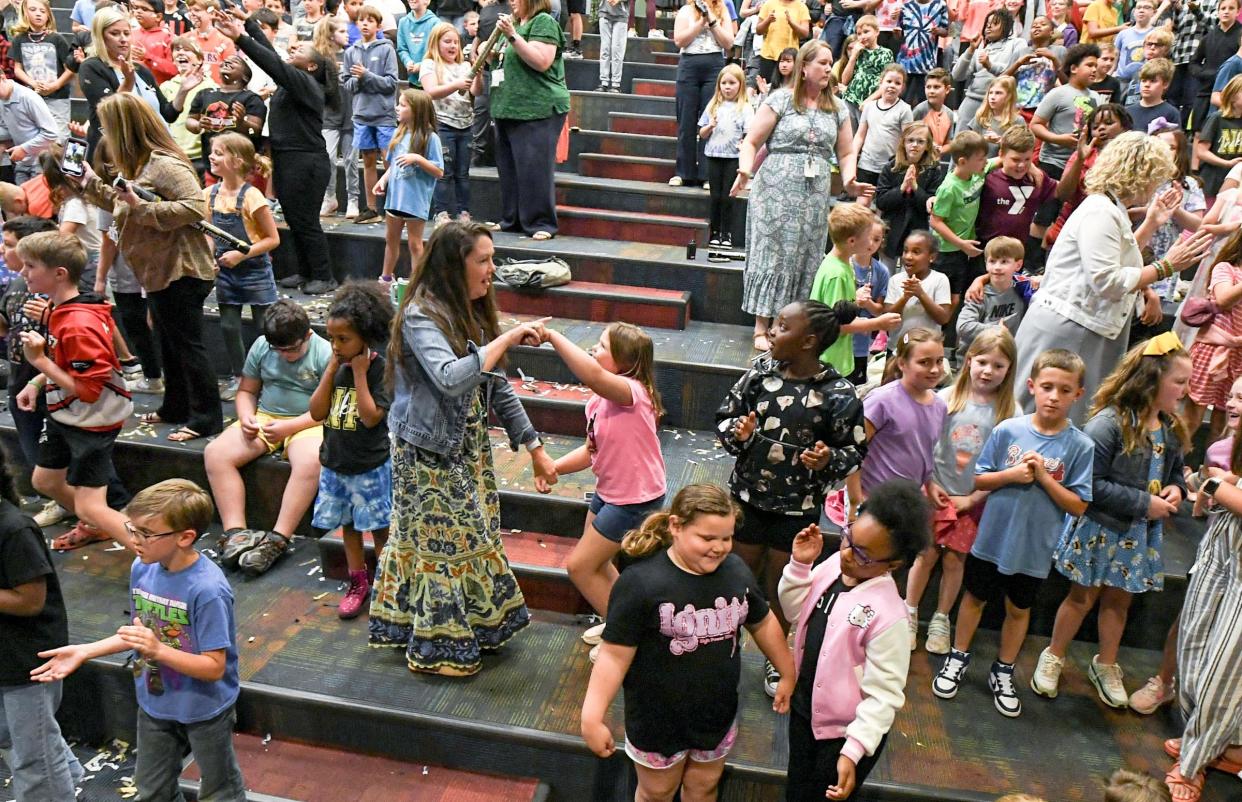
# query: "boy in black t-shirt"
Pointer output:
{"type": "Point", "coordinates": [232, 107]}
{"type": "Point", "coordinates": [32, 620]}
{"type": "Point", "coordinates": [352, 402]}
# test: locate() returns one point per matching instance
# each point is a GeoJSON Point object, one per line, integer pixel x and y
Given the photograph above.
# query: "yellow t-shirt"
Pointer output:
{"type": "Point", "coordinates": [1103, 14]}
{"type": "Point", "coordinates": [188, 142]}
{"type": "Point", "coordinates": [779, 35]}
{"type": "Point", "coordinates": [251, 202]}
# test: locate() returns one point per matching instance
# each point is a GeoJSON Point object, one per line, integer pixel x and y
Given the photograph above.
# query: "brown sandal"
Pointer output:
{"type": "Point", "coordinates": [83, 534]}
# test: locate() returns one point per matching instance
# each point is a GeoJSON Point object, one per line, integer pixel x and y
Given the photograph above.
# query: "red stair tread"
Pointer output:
{"type": "Point", "coordinates": [654, 293]}
{"type": "Point", "coordinates": [536, 548]}
{"type": "Point", "coordinates": [315, 774]}
{"type": "Point", "coordinates": [551, 391]}
{"type": "Point", "coordinates": [638, 216]}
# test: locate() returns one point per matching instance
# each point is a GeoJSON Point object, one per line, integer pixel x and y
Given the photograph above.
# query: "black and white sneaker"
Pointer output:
{"type": "Point", "coordinates": [714, 240]}
{"type": "Point", "coordinates": [1004, 694]}
{"type": "Point", "coordinates": [949, 678]}
{"type": "Point", "coordinates": [726, 240]}
{"type": "Point", "coordinates": [771, 678]}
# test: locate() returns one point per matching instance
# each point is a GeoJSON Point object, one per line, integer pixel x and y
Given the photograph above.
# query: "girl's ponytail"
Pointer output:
{"type": "Point", "coordinates": [691, 501]}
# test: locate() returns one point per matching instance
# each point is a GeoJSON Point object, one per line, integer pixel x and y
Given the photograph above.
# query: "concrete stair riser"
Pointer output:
{"type": "Point", "coordinates": [599, 303]}
{"type": "Point", "coordinates": [632, 168]}
{"type": "Point", "coordinates": [635, 123]}
{"type": "Point", "coordinates": [578, 221]}
{"type": "Point", "coordinates": [590, 109]}
{"type": "Point", "coordinates": [654, 88]}
{"type": "Point", "coordinates": [583, 74]}
{"type": "Point", "coordinates": [618, 144]}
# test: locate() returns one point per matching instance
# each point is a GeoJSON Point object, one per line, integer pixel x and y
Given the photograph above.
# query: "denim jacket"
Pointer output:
{"type": "Point", "coordinates": [434, 389]}
{"type": "Point", "coordinates": [1119, 492]}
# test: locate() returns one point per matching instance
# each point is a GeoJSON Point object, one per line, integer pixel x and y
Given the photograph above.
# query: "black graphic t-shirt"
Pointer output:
{"type": "Point", "coordinates": [816, 625]}
{"type": "Point", "coordinates": [349, 446]}
{"type": "Point", "coordinates": [681, 689]}
{"type": "Point", "coordinates": [43, 56]}
{"type": "Point", "coordinates": [214, 109]}
{"type": "Point", "coordinates": [24, 557]}
{"type": "Point", "coordinates": [1224, 136]}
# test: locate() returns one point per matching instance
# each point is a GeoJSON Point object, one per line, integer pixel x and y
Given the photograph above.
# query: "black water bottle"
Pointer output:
{"type": "Point", "coordinates": [692, 249]}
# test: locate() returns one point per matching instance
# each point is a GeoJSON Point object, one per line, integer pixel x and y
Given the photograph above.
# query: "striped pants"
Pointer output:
{"type": "Point", "coordinates": [1209, 649]}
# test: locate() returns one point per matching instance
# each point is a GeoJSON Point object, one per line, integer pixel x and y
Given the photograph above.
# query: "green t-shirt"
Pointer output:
{"type": "Point", "coordinates": [287, 386]}
{"type": "Point", "coordinates": [957, 203]}
{"type": "Point", "coordinates": [867, 71]}
{"type": "Point", "coordinates": [521, 93]}
{"type": "Point", "coordinates": [834, 281]}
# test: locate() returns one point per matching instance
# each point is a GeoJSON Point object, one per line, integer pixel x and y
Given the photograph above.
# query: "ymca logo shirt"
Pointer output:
{"type": "Point", "coordinates": [681, 689]}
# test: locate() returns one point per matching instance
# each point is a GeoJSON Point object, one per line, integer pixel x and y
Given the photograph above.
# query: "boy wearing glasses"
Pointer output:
{"type": "Point", "coordinates": [87, 401]}
{"type": "Point", "coordinates": [184, 644]}
{"type": "Point", "coordinates": [1036, 469]}
{"type": "Point", "coordinates": [282, 370]}
{"type": "Point", "coordinates": [852, 643]}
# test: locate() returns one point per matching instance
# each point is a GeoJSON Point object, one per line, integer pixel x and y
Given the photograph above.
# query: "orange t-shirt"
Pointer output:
{"type": "Point", "coordinates": [39, 198]}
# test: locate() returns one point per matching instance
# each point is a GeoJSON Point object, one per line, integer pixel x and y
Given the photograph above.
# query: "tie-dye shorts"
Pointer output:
{"type": "Point", "coordinates": [655, 760]}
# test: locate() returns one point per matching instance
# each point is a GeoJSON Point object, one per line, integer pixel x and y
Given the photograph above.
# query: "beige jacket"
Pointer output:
{"type": "Point", "coordinates": [156, 239]}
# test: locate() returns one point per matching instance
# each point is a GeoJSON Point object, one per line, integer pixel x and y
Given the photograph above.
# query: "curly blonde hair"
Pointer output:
{"type": "Point", "coordinates": [1131, 167]}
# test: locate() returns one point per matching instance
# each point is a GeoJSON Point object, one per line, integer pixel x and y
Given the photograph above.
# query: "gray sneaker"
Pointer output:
{"type": "Point", "coordinates": [938, 634]}
{"type": "Point", "coordinates": [51, 514]}
{"type": "Point", "coordinates": [1107, 681]}
{"type": "Point", "coordinates": [237, 542]}
{"type": "Point", "coordinates": [228, 389]}
{"type": "Point", "coordinates": [145, 385]}
{"type": "Point", "coordinates": [265, 554]}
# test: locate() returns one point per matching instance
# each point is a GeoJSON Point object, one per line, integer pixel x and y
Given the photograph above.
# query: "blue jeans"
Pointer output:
{"type": "Point", "coordinates": [834, 33]}
{"type": "Point", "coordinates": [44, 768]}
{"type": "Point", "coordinates": [452, 192]}
{"type": "Point", "coordinates": [162, 745]}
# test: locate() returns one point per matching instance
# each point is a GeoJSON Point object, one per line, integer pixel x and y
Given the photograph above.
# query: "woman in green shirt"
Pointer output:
{"type": "Point", "coordinates": [529, 104]}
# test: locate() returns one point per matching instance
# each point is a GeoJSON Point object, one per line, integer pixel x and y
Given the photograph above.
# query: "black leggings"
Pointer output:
{"type": "Point", "coordinates": [721, 173]}
{"type": "Point", "coordinates": [813, 764]}
{"type": "Point", "coordinates": [231, 331]}
{"type": "Point", "coordinates": [131, 309]}
{"type": "Point", "coordinates": [191, 396]}
{"type": "Point", "coordinates": [300, 179]}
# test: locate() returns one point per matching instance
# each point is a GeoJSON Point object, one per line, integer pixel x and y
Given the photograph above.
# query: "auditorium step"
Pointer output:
{"type": "Point", "coordinates": [538, 561]}
{"type": "Point", "coordinates": [654, 88]}
{"type": "Point", "coordinates": [552, 406]}
{"type": "Point", "coordinates": [591, 109]}
{"type": "Point", "coordinates": [638, 49]}
{"type": "Point", "coordinates": [670, 59]}
{"type": "Point", "coordinates": [280, 769]}
{"type": "Point", "coordinates": [662, 229]}
{"type": "Point", "coordinates": [624, 166]}
{"type": "Point", "coordinates": [583, 74]}
{"type": "Point", "coordinates": [615, 143]}
{"type": "Point", "coordinates": [602, 303]}
{"type": "Point", "coordinates": [626, 122]}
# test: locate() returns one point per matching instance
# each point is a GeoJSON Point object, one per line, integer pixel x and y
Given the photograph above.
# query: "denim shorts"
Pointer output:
{"type": "Point", "coordinates": [614, 520]}
{"type": "Point", "coordinates": [246, 284]}
{"type": "Point", "coordinates": [373, 137]}
{"type": "Point", "coordinates": [362, 501]}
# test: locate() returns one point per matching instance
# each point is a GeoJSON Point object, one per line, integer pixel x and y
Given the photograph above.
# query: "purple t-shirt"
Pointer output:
{"type": "Point", "coordinates": [1217, 455]}
{"type": "Point", "coordinates": [1007, 205]}
{"type": "Point", "coordinates": [905, 435]}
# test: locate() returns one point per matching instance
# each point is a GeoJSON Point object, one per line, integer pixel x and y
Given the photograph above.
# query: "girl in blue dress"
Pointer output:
{"type": "Point", "coordinates": [1114, 550]}
{"type": "Point", "coordinates": [415, 163]}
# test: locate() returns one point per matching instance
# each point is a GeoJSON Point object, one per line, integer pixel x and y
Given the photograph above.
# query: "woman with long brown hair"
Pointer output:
{"type": "Point", "coordinates": [443, 587]}
{"type": "Point", "coordinates": [171, 260]}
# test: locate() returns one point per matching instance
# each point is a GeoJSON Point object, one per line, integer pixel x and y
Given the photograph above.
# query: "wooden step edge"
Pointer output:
{"type": "Point", "coordinates": [660, 81]}
{"type": "Point", "coordinates": [631, 217]}
{"type": "Point", "coordinates": [628, 135]}
{"type": "Point", "coordinates": [607, 292]}
{"type": "Point", "coordinates": [616, 158]}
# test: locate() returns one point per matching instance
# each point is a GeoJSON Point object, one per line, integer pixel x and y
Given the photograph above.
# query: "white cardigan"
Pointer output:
{"type": "Point", "coordinates": [1092, 273]}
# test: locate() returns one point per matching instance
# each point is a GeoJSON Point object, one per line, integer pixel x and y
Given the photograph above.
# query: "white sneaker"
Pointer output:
{"type": "Point", "coordinates": [938, 634]}
{"type": "Point", "coordinates": [441, 219]}
{"type": "Point", "coordinates": [228, 389]}
{"type": "Point", "coordinates": [51, 514]}
{"type": "Point", "coordinates": [675, 181]}
{"type": "Point", "coordinates": [1047, 674]}
{"type": "Point", "coordinates": [913, 621]}
{"type": "Point", "coordinates": [145, 385]}
{"type": "Point", "coordinates": [594, 653]}
{"type": "Point", "coordinates": [594, 635]}
{"type": "Point", "coordinates": [328, 208]}
{"type": "Point", "coordinates": [1149, 698]}
{"type": "Point", "coordinates": [1107, 681]}
{"type": "Point", "coordinates": [351, 208]}
{"type": "Point", "coordinates": [656, 33]}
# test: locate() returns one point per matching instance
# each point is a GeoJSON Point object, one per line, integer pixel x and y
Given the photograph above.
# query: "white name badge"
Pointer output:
{"type": "Point", "coordinates": [498, 77]}
{"type": "Point", "coordinates": [811, 170]}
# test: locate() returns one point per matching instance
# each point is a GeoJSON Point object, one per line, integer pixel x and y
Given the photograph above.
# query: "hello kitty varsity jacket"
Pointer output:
{"type": "Point", "coordinates": [860, 677]}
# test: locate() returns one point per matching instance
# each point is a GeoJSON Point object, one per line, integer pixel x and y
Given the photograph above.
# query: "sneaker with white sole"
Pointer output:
{"type": "Point", "coordinates": [771, 678]}
{"type": "Point", "coordinates": [1152, 696]}
{"type": "Point", "coordinates": [328, 208]}
{"type": "Point", "coordinates": [1107, 681]}
{"type": "Point", "coordinates": [51, 514]}
{"type": "Point", "coordinates": [236, 542]}
{"type": "Point", "coordinates": [1047, 674]}
{"type": "Point", "coordinates": [675, 181]}
{"type": "Point", "coordinates": [229, 388]}
{"type": "Point", "coordinates": [351, 209]}
{"type": "Point", "coordinates": [145, 385]}
{"type": "Point", "coordinates": [949, 678]}
{"type": "Point", "coordinates": [264, 555]}
{"type": "Point", "coordinates": [594, 653]}
{"type": "Point", "coordinates": [912, 620]}
{"type": "Point", "coordinates": [1004, 694]}
{"type": "Point", "coordinates": [594, 635]}
{"type": "Point", "coordinates": [938, 629]}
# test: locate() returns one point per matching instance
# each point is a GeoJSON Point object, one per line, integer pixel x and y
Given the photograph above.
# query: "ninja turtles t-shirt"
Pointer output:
{"type": "Point", "coordinates": [681, 689]}
{"type": "Point", "coordinates": [190, 610]}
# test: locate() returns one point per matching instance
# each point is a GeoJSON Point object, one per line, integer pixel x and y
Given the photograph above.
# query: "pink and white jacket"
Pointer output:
{"type": "Point", "coordinates": [860, 677]}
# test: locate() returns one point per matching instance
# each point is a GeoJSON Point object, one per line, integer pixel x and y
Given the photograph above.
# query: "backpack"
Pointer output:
{"type": "Point", "coordinates": [535, 274]}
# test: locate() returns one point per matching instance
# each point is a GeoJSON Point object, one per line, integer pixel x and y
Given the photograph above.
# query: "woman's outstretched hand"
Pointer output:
{"type": "Point", "coordinates": [1188, 251]}
{"type": "Point", "coordinates": [545, 470]}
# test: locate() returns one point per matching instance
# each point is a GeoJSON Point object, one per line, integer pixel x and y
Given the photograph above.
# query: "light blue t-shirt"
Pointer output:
{"type": "Point", "coordinates": [83, 12]}
{"type": "Point", "coordinates": [410, 189]}
{"type": "Point", "coordinates": [1021, 524]}
{"type": "Point", "coordinates": [192, 611]}
{"type": "Point", "coordinates": [287, 386]}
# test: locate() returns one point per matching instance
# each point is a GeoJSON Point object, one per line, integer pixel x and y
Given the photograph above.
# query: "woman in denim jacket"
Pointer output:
{"type": "Point", "coordinates": [443, 588]}
{"type": "Point", "coordinates": [1095, 271]}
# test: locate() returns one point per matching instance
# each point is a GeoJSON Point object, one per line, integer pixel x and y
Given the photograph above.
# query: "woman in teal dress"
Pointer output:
{"type": "Point", "coordinates": [443, 588]}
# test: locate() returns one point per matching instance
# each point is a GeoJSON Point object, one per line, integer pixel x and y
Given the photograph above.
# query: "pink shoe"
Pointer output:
{"type": "Point", "coordinates": [356, 596]}
{"type": "Point", "coordinates": [834, 507]}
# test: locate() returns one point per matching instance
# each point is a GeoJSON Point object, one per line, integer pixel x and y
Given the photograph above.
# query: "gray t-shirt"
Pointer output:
{"type": "Point", "coordinates": [1065, 109]}
{"type": "Point", "coordinates": [996, 309]}
{"type": "Point", "coordinates": [960, 442]}
{"type": "Point", "coordinates": [883, 132]}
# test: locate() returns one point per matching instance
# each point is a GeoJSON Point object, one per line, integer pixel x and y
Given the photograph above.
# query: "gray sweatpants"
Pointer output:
{"type": "Point", "coordinates": [612, 33]}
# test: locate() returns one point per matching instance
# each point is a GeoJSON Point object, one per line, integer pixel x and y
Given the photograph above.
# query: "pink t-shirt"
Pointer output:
{"type": "Point", "coordinates": [626, 459]}
{"type": "Point", "coordinates": [1217, 455]}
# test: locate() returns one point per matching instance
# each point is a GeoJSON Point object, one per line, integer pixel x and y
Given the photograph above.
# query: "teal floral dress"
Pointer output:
{"type": "Point", "coordinates": [1092, 555]}
{"type": "Point", "coordinates": [443, 587]}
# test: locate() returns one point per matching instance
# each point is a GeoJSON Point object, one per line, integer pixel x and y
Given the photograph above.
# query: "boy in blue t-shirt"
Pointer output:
{"type": "Point", "coordinates": [1038, 469]}
{"type": "Point", "coordinates": [184, 641]}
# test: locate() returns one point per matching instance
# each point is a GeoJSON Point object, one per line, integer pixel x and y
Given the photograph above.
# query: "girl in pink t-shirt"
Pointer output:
{"type": "Point", "coordinates": [622, 449]}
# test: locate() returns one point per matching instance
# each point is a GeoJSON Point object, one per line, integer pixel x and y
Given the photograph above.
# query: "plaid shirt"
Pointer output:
{"type": "Point", "coordinates": [1189, 26]}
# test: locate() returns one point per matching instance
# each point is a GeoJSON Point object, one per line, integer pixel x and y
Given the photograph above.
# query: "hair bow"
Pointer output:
{"type": "Point", "coordinates": [1162, 344]}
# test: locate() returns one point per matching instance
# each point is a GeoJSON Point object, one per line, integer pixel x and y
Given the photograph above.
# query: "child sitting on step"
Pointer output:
{"type": "Point", "coordinates": [723, 124]}
{"type": "Point", "coordinates": [184, 645]}
{"type": "Point", "coordinates": [273, 417]}
{"type": "Point", "coordinates": [796, 427]}
{"type": "Point", "coordinates": [674, 640]}
{"type": "Point", "coordinates": [622, 449]}
{"type": "Point", "coordinates": [851, 649]}
{"type": "Point", "coordinates": [352, 399]}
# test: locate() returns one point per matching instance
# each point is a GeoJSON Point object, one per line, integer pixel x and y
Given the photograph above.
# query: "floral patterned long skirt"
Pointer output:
{"type": "Point", "coordinates": [443, 587]}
